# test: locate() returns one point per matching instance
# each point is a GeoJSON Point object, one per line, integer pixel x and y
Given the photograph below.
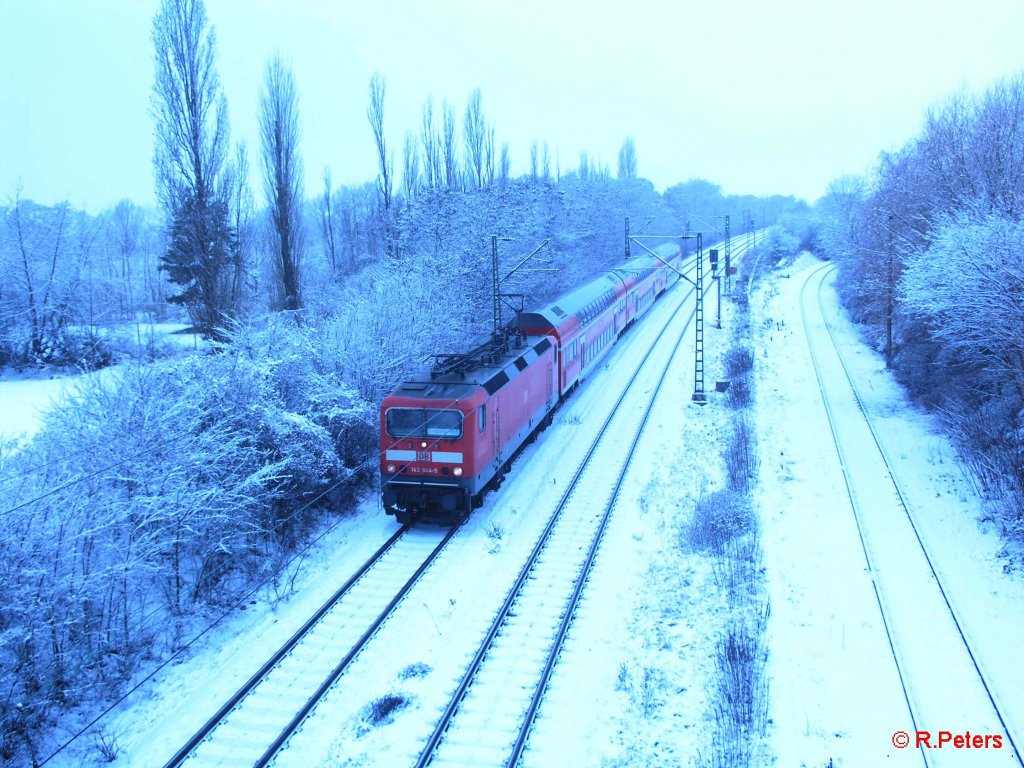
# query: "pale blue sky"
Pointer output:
{"type": "Point", "coordinates": [759, 97]}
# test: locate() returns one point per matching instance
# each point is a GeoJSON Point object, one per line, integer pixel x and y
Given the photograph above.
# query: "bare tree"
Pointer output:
{"type": "Point", "coordinates": [282, 176]}
{"type": "Point", "coordinates": [411, 180]}
{"type": "Point", "coordinates": [125, 227]}
{"type": "Point", "coordinates": [504, 166]}
{"type": "Point", "coordinates": [489, 158]}
{"type": "Point", "coordinates": [627, 159]}
{"type": "Point", "coordinates": [584, 169]}
{"type": "Point", "coordinates": [546, 163]}
{"type": "Point", "coordinates": [327, 224]}
{"type": "Point", "coordinates": [534, 161]}
{"type": "Point", "coordinates": [241, 208]}
{"type": "Point", "coordinates": [431, 144]}
{"type": "Point", "coordinates": [189, 158]}
{"type": "Point", "coordinates": [375, 114]}
{"type": "Point", "coordinates": [474, 136]}
{"type": "Point", "coordinates": [451, 163]}
{"type": "Point", "coordinates": [40, 238]}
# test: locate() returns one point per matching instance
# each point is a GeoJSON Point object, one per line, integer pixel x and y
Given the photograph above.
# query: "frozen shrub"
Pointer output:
{"type": "Point", "coordinates": [742, 696]}
{"type": "Point", "coordinates": [718, 518]}
{"type": "Point", "coordinates": [740, 455]}
{"type": "Point", "coordinates": [157, 496]}
{"type": "Point", "coordinates": [739, 361]}
{"type": "Point", "coordinates": [381, 710]}
{"type": "Point", "coordinates": [416, 669]}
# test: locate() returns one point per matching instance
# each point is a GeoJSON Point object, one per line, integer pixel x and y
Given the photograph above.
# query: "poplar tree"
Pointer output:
{"type": "Point", "coordinates": [282, 176]}
{"type": "Point", "coordinates": [190, 159]}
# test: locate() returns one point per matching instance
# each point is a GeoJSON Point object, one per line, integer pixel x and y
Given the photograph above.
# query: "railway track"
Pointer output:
{"type": "Point", "coordinates": [961, 695]}
{"type": "Point", "coordinates": [257, 721]}
{"type": "Point", "coordinates": [491, 712]}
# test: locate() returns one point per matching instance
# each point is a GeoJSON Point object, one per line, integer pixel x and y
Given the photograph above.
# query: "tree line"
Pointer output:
{"type": "Point", "coordinates": [931, 252]}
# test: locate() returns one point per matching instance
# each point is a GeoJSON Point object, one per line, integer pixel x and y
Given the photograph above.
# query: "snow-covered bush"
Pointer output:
{"type": "Point", "coordinates": [802, 226]}
{"type": "Point", "coordinates": [968, 286]}
{"type": "Point", "coordinates": [739, 362]}
{"type": "Point", "coordinates": [741, 715]}
{"type": "Point", "coordinates": [144, 504]}
{"type": "Point", "coordinates": [781, 246]}
{"type": "Point", "coordinates": [719, 518]}
{"type": "Point", "coordinates": [967, 289]}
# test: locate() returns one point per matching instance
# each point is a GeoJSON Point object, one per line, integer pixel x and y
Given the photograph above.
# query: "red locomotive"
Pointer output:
{"type": "Point", "coordinates": [450, 436]}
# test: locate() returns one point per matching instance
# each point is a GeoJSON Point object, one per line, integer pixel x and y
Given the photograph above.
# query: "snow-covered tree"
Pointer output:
{"type": "Point", "coordinates": [411, 177]}
{"type": "Point", "coordinates": [385, 159]}
{"type": "Point", "coordinates": [283, 177]}
{"type": "Point", "coordinates": [430, 141]}
{"type": "Point", "coordinates": [190, 159]}
{"type": "Point", "coordinates": [968, 286]}
{"type": "Point", "coordinates": [475, 133]}
{"type": "Point", "coordinates": [627, 159]}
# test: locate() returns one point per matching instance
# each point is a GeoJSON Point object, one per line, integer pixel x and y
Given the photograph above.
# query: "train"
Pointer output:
{"type": "Point", "coordinates": [449, 436]}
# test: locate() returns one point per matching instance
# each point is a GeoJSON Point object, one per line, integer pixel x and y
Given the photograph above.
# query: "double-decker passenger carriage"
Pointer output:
{"type": "Point", "coordinates": [449, 436]}
{"type": "Point", "coordinates": [583, 325]}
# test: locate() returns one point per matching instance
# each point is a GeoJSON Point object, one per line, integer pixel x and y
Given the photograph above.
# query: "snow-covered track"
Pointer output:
{"type": "Point", "coordinates": [943, 682]}
{"type": "Point", "coordinates": [488, 719]}
{"type": "Point", "coordinates": [257, 721]}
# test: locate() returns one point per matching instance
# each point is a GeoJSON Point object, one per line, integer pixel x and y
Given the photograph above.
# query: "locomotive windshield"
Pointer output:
{"type": "Point", "coordinates": [424, 422]}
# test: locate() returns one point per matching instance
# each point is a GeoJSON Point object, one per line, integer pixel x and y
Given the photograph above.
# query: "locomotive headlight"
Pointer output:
{"type": "Point", "coordinates": [423, 444]}
{"type": "Point", "coordinates": [457, 471]}
{"type": "Point", "coordinates": [391, 469]}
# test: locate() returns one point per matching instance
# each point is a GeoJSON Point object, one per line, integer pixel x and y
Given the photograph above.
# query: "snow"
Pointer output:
{"type": "Point", "coordinates": [634, 683]}
{"type": "Point", "coordinates": [26, 399]}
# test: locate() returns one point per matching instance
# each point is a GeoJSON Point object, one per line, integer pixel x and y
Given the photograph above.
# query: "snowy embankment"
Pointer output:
{"type": "Point", "coordinates": [835, 690]}
{"type": "Point", "coordinates": [636, 682]}
{"type": "Point", "coordinates": [637, 648]}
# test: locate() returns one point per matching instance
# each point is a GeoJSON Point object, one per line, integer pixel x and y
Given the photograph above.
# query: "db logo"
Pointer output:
{"type": "Point", "coordinates": [422, 455]}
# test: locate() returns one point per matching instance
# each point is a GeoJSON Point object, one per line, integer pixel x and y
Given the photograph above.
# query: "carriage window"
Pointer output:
{"type": "Point", "coordinates": [424, 422]}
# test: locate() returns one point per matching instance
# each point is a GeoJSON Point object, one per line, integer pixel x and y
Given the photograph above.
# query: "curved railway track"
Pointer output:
{"type": "Point", "coordinates": [942, 618]}
{"type": "Point", "coordinates": [490, 714]}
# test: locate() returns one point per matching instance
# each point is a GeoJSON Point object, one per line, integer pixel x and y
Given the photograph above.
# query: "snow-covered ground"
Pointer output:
{"type": "Point", "coordinates": [632, 685]}
{"type": "Point", "coordinates": [26, 397]}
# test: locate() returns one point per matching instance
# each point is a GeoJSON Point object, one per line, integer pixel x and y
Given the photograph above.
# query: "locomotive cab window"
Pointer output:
{"type": "Point", "coordinates": [424, 422]}
{"type": "Point", "coordinates": [481, 417]}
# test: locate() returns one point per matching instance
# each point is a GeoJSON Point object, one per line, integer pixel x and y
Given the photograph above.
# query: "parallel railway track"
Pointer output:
{"type": "Point", "coordinates": [491, 712]}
